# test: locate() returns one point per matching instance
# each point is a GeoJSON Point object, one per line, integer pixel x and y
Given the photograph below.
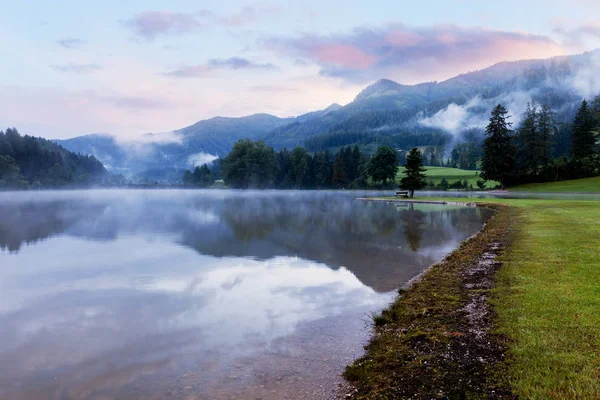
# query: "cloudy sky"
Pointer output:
{"type": "Point", "coordinates": [71, 67]}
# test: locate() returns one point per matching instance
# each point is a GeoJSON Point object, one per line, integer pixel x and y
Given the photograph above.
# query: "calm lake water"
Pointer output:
{"type": "Point", "coordinates": [201, 294]}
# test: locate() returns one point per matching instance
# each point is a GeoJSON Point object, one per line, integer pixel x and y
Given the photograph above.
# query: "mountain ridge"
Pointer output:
{"type": "Point", "coordinates": [383, 109]}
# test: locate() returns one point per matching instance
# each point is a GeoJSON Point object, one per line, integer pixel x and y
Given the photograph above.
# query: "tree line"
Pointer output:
{"type": "Point", "coordinates": [255, 165]}
{"type": "Point", "coordinates": [27, 161]}
{"type": "Point", "coordinates": [526, 155]}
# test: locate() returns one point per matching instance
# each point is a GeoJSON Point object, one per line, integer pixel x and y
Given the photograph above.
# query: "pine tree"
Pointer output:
{"type": "Point", "coordinates": [584, 139]}
{"type": "Point", "coordinates": [414, 171]}
{"type": "Point", "coordinates": [546, 130]}
{"type": "Point", "coordinates": [528, 161]}
{"type": "Point", "coordinates": [498, 150]}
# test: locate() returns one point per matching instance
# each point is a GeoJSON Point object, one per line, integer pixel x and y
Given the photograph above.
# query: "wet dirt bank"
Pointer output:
{"type": "Point", "coordinates": [438, 340]}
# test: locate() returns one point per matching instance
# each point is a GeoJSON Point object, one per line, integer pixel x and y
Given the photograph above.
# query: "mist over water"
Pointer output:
{"type": "Point", "coordinates": [201, 294]}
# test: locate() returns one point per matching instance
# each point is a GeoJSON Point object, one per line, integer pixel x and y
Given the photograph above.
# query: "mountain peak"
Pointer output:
{"type": "Point", "coordinates": [382, 86]}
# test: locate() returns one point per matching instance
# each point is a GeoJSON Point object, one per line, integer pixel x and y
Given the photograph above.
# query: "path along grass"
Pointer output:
{"type": "Point", "coordinates": [548, 299]}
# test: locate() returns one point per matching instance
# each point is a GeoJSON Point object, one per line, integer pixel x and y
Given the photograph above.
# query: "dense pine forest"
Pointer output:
{"type": "Point", "coordinates": [31, 162]}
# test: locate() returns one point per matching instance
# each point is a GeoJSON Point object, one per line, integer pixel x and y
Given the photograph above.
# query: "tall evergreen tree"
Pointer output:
{"type": "Point", "coordinates": [414, 178]}
{"type": "Point", "coordinates": [528, 160]}
{"type": "Point", "coordinates": [584, 139]}
{"type": "Point", "coordinates": [546, 132]}
{"type": "Point", "coordinates": [498, 150]}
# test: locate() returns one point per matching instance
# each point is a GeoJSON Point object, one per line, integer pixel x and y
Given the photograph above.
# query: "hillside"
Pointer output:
{"type": "Point", "coordinates": [386, 112]}
{"type": "Point", "coordinates": [27, 160]}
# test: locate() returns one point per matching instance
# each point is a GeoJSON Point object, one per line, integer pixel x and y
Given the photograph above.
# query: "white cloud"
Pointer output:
{"type": "Point", "coordinates": [196, 160]}
{"type": "Point", "coordinates": [455, 118]}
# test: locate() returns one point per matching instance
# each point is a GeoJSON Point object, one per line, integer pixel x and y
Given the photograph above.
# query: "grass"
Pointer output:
{"type": "Point", "coordinates": [547, 299]}
{"type": "Point", "coordinates": [586, 185]}
{"type": "Point", "coordinates": [436, 174]}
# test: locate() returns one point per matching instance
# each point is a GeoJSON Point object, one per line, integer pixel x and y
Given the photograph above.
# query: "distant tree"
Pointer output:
{"type": "Point", "coordinates": [9, 170]}
{"type": "Point", "coordinates": [299, 165]}
{"type": "Point", "coordinates": [443, 184]}
{"type": "Point", "coordinates": [563, 141]}
{"type": "Point", "coordinates": [547, 131]}
{"type": "Point", "coordinates": [202, 176]}
{"type": "Point", "coordinates": [528, 159]}
{"type": "Point", "coordinates": [414, 178]}
{"type": "Point", "coordinates": [480, 184]}
{"type": "Point", "coordinates": [584, 139]}
{"type": "Point", "coordinates": [357, 157]}
{"type": "Point", "coordinates": [339, 171]}
{"type": "Point", "coordinates": [498, 151]}
{"type": "Point", "coordinates": [454, 157]}
{"type": "Point", "coordinates": [262, 166]}
{"type": "Point", "coordinates": [383, 166]}
{"type": "Point", "coordinates": [283, 178]}
{"type": "Point", "coordinates": [235, 165]}
{"type": "Point", "coordinates": [322, 169]}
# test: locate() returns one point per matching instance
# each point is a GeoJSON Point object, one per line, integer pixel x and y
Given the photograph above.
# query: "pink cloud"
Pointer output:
{"type": "Point", "coordinates": [413, 54]}
{"type": "Point", "coordinates": [344, 55]}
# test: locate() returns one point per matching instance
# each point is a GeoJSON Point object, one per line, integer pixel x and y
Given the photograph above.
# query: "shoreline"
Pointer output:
{"type": "Point", "coordinates": [438, 338]}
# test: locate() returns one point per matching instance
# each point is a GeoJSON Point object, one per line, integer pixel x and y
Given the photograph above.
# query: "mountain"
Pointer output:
{"type": "Point", "coordinates": [175, 149]}
{"type": "Point", "coordinates": [430, 113]}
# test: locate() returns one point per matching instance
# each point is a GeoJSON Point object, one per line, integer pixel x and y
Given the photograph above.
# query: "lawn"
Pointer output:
{"type": "Point", "coordinates": [436, 174]}
{"type": "Point", "coordinates": [548, 299]}
{"type": "Point", "coordinates": [586, 185]}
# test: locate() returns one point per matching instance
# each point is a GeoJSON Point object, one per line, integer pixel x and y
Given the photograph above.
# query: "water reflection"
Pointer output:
{"type": "Point", "coordinates": [205, 294]}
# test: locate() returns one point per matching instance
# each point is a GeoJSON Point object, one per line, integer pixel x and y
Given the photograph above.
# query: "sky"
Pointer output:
{"type": "Point", "coordinates": [132, 67]}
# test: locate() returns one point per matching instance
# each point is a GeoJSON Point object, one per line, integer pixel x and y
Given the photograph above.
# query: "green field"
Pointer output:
{"type": "Point", "coordinates": [436, 174]}
{"type": "Point", "coordinates": [586, 185]}
{"type": "Point", "coordinates": [548, 297]}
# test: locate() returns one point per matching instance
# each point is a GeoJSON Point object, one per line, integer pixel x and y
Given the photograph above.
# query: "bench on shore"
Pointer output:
{"type": "Point", "coordinates": [402, 193]}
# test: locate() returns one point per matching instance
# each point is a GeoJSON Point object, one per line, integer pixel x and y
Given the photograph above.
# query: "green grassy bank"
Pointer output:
{"type": "Point", "coordinates": [586, 185]}
{"type": "Point", "coordinates": [546, 300]}
{"type": "Point", "coordinates": [436, 174]}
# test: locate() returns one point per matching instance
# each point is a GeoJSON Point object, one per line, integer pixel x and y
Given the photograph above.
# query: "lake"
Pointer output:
{"type": "Point", "coordinates": [183, 294]}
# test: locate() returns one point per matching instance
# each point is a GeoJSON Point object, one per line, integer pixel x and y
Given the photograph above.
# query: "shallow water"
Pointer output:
{"type": "Point", "coordinates": [201, 294]}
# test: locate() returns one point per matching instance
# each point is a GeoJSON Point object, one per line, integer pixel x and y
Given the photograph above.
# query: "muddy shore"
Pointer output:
{"type": "Point", "coordinates": [437, 340]}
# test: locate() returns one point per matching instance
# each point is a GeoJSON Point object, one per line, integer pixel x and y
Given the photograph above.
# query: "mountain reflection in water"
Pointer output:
{"type": "Point", "coordinates": [201, 294]}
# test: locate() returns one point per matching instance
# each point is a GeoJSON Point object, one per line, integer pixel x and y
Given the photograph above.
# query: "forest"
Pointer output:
{"type": "Point", "coordinates": [528, 154]}
{"type": "Point", "coordinates": [32, 162]}
{"type": "Point", "coordinates": [256, 165]}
